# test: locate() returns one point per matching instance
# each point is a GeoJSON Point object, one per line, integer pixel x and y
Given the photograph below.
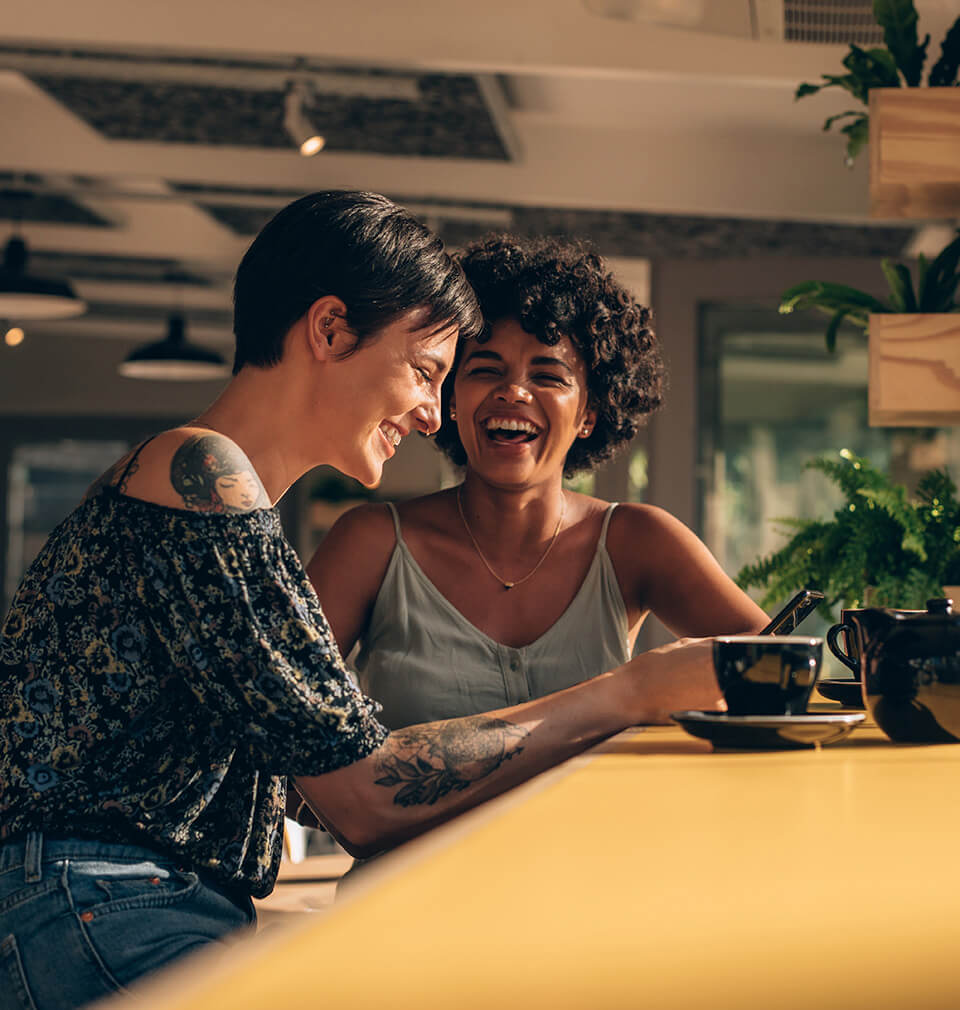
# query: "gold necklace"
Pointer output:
{"type": "Point", "coordinates": [543, 557]}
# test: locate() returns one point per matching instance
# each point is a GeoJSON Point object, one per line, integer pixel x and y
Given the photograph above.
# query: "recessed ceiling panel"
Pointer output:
{"type": "Point", "coordinates": [450, 117]}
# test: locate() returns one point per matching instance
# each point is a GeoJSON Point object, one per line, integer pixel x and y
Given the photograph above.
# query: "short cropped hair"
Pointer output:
{"type": "Point", "coordinates": [556, 288]}
{"type": "Point", "coordinates": [363, 248]}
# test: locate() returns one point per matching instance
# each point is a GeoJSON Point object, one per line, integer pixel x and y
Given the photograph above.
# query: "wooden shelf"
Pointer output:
{"type": "Point", "coordinates": [915, 153]}
{"type": "Point", "coordinates": [914, 370]}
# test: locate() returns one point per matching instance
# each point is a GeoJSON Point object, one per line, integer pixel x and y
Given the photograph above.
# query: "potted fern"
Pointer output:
{"type": "Point", "coordinates": [880, 548]}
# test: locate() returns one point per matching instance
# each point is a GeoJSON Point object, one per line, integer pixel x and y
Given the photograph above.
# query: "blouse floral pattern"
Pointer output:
{"type": "Point", "coordinates": [161, 672]}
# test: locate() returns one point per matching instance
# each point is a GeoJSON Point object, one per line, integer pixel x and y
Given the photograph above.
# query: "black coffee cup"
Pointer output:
{"type": "Point", "coordinates": [767, 674]}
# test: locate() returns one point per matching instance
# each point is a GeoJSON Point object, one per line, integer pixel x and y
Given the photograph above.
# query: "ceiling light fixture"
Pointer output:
{"type": "Point", "coordinates": [23, 296]}
{"type": "Point", "coordinates": [174, 358]}
{"type": "Point", "coordinates": [302, 132]}
{"type": "Point", "coordinates": [13, 337]}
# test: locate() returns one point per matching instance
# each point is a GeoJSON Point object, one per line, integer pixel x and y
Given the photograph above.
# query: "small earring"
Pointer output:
{"type": "Point", "coordinates": [585, 432]}
{"type": "Point", "coordinates": [453, 413]}
{"type": "Point", "coordinates": [327, 322]}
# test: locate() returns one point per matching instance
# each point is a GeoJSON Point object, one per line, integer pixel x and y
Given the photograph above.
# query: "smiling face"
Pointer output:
{"type": "Point", "coordinates": [520, 405]}
{"type": "Point", "coordinates": [386, 389]}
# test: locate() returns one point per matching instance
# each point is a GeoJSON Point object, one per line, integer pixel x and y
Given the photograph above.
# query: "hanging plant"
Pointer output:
{"type": "Point", "coordinates": [898, 64]}
{"type": "Point", "coordinates": [935, 291]}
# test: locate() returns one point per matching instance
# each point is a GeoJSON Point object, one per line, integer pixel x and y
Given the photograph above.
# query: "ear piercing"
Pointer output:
{"type": "Point", "coordinates": [453, 413]}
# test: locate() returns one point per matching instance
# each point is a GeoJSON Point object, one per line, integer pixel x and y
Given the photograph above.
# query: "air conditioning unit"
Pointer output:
{"type": "Point", "coordinates": [817, 21]}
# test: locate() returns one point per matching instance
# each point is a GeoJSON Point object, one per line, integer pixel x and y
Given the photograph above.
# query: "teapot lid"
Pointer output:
{"type": "Point", "coordinates": [939, 610]}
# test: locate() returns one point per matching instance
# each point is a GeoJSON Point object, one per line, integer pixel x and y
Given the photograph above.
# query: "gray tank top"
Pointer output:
{"type": "Point", "coordinates": [423, 660]}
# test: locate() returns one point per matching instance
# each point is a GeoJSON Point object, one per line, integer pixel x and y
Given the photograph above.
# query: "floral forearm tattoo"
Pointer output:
{"type": "Point", "coordinates": [428, 762]}
{"type": "Point", "coordinates": [212, 474]}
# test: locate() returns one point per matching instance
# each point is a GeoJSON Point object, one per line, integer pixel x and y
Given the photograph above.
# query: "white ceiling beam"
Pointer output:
{"type": "Point", "coordinates": [725, 174]}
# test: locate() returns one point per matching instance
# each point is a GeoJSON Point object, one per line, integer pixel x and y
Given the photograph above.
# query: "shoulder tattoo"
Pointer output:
{"type": "Point", "coordinates": [212, 474]}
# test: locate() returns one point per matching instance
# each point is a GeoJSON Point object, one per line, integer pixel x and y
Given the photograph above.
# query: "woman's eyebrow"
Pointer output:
{"type": "Point", "coordinates": [551, 361]}
{"type": "Point", "coordinates": [482, 354]}
{"type": "Point", "coordinates": [440, 364]}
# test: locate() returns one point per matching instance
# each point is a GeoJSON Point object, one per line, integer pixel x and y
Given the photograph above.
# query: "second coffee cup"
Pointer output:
{"type": "Point", "coordinates": [767, 674]}
{"type": "Point", "coordinates": [846, 631]}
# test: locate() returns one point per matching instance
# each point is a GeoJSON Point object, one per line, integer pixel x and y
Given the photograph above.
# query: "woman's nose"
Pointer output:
{"type": "Point", "coordinates": [427, 415]}
{"type": "Point", "coordinates": [512, 392]}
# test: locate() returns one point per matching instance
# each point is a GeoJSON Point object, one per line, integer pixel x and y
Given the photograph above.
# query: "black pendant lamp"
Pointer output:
{"type": "Point", "coordinates": [174, 358]}
{"type": "Point", "coordinates": [23, 296]}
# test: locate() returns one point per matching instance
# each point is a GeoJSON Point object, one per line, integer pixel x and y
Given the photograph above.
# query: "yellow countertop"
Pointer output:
{"type": "Point", "coordinates": [651, 872]}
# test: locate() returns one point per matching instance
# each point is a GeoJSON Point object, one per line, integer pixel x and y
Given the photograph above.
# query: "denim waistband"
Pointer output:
{"type": "Point", "coordinates": [35, 848]}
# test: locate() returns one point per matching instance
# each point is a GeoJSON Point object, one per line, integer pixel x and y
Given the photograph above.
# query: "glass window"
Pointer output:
{"type": "Point", "coordinates": [773, 397]}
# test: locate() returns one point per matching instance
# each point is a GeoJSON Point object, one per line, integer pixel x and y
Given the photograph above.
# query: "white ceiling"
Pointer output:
{"type": "Point", "coordinates": [604, 114]}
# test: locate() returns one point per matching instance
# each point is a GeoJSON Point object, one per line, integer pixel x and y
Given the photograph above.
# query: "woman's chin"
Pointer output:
{"type": "Point", "coordinates": [368, 472]}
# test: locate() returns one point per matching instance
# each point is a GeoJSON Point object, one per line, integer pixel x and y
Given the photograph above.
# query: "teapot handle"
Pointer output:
{"type": "Point", "coordinates": [832, 644]}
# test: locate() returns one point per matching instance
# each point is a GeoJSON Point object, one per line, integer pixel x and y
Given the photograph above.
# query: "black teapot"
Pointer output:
{"type": "Point", "coordinates": [910, 664]}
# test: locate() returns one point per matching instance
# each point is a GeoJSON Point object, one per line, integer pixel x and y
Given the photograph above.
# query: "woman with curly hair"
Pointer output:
{"type": "Point", "coordinates": [508, 586]}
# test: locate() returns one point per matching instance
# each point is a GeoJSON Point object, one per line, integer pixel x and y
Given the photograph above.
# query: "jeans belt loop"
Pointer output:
{"type": "Point", "coordinates": [33, 857]}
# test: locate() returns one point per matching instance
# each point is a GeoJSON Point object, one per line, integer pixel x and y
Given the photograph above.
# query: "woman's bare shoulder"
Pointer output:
{"type": "Point", "coordinates": [634, 525]}
{"type": "Point", "coordinates": [354, 553]}
{"type": "Point", "coordinates": [372, 521]}
{"type": "Point", "coordinates": [189, 468]}
{"type": "Point", "coordinates": [428, 513]}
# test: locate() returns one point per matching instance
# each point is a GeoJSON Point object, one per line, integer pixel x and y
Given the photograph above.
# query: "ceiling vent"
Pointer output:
{"type": "Point", "coordinates": [831, 21]}
{"type": "Point", "coordinates": [814, 21]}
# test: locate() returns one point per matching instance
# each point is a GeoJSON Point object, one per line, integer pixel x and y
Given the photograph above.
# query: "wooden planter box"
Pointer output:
{"type": "Point", "coordinates": [915, 152]}
{"type": "Point", "coordinates": [914, 375]}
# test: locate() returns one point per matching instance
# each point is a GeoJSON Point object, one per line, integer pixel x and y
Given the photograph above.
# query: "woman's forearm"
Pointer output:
{"type": "Point", "coordinates": [423, 775]}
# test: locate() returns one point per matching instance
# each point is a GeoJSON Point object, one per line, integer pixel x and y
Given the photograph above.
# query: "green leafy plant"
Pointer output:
{"type": "Point", "coordinates": [935, 291]}
{"type": "Point", "coordinates": [880, 548]}
{"type": "Point", "coordinates": [898, 64]}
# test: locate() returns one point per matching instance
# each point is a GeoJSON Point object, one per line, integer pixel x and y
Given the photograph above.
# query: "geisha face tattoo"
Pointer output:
{"type": "Point", "coordinates": [238, 491]}
{"type": "Point", "coordinates": [211, 474]}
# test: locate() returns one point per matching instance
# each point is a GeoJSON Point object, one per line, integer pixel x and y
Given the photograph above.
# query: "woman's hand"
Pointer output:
{"type": "Point", "coordinates": [673, 678]}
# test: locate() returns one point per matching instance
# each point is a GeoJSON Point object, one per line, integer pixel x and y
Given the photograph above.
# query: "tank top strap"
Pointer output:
{"type": "Point", "coordinates": [396, 520]}
{"type": "Point", "coordinates": [606, 522]}
{"type": "Point", "coordinates": [133, 458]}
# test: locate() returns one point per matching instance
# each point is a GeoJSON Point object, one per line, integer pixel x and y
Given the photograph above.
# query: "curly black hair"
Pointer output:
{"type": "Point", "coordinates": [556, 288]}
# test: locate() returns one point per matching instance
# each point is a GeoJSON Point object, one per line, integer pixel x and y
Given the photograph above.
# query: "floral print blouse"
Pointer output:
{"type": "Point", "coordinates": [161, 672]}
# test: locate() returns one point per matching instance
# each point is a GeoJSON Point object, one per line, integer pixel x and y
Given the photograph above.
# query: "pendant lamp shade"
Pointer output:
{"type": "Point", "coordinates": [23, 296]}
{"type": "Point", "coordinates": [174, 358]}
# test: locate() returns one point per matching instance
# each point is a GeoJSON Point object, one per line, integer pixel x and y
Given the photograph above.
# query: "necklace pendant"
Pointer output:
{"type": "Point", "coordinates": [508, 585]}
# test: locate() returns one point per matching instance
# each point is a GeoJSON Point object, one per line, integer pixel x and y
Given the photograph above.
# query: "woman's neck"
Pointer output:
{"type": "Point", "coordinates": [258, 412]}
{"type": "Point", "coordinates": [507, 522]}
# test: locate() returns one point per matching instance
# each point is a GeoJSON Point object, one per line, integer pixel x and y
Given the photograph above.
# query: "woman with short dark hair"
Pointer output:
{"type": "Point", "coordinates": [165, 666]}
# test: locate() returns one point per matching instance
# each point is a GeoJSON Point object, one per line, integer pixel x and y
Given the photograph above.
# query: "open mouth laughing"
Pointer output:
{"type": "Point", "coordinates": [505, 430]}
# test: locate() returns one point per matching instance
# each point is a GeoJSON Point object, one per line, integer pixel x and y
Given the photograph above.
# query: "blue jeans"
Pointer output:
{"type": "Point", "coordinates": [80, 919]}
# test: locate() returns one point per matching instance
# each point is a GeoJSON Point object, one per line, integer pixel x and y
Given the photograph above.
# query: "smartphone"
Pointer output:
{"type": "Point", "coordinates": [805, 602]}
